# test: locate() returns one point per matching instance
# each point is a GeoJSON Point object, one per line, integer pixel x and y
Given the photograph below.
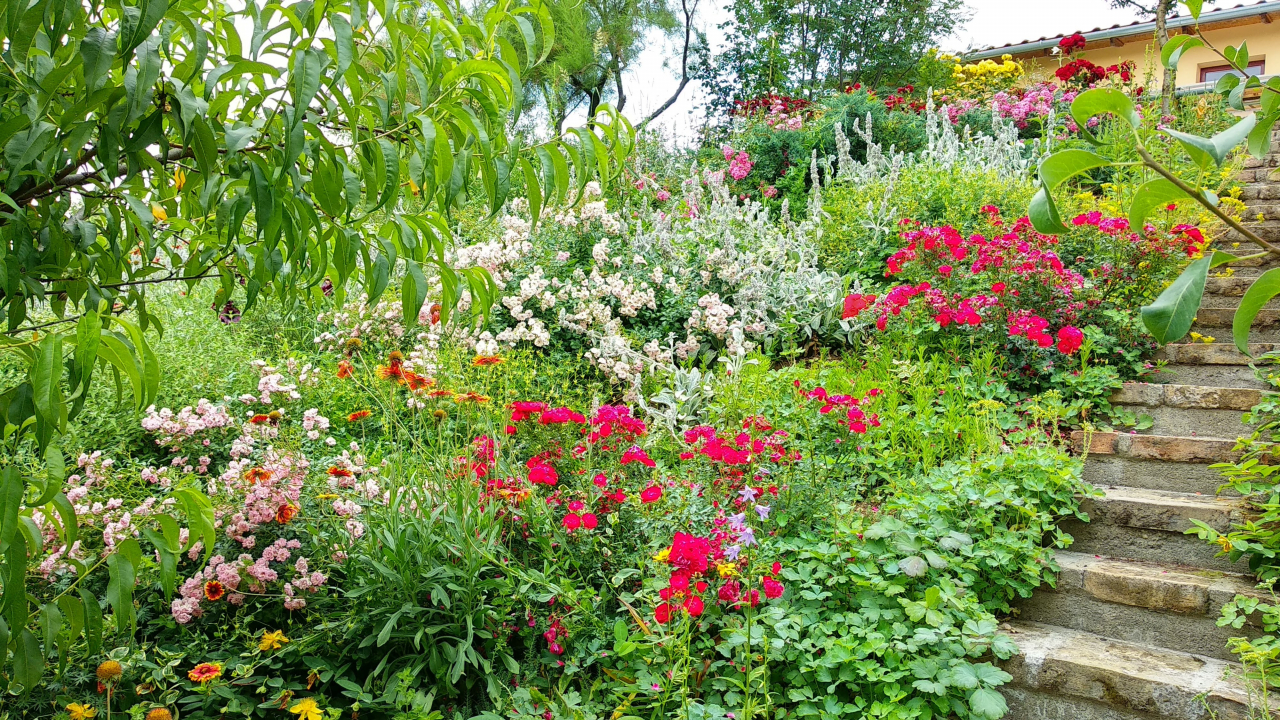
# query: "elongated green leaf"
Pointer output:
{"type": "Point", "coordinates": [1258, 295]}
{"type": "Point", "coordinates": [1149, 196]}
{"type": "Point", "coordinates": [28, 662]}
{"type": "Point", "coordinates": [1043, 213]}
{"type": "Point", "coordinates": [92, 620]}
{"type": "Point", "coordinates": [1175, 47]}
{"type": "Point", "coordinates": [1170, 316]}
{"type": "Point", "coordinates": [12, 488]}
{"type": "Point", "coordinates": [1100, 101]}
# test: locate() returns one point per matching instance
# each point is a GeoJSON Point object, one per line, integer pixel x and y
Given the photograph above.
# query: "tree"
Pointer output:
{"type": "Point", "coordinates": [281, 150]}
{"type": "Point", "coordinates": [695, 44]}
{"type": "Point", "coordinates": [596, 43]}
{"type": "Point", "coordinates": [808, 45]}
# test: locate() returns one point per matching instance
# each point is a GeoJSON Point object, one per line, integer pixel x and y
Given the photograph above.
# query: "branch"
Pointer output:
{"type": "Point", "coordinates": [73, 180]}
{"type": "Point", "coordinates": [684, 64]}
{"type": "Point", "coordinates": [1152, 163]}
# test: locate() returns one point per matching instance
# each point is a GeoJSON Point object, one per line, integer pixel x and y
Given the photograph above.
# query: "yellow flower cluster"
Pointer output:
{"type": "Point", "coordinates": [988, 76]}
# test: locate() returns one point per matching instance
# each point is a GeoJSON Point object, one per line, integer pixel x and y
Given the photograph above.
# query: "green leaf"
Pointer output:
{"type": "Point", "coordinates": [413, 293]}
{"type": "Point", "coordinates": [987, 703]}
{"type": "Point", "coordinates": [28, 662]}
{"type": "Point", "coordinates": [1099, 101]}
{"type": "Point", "coordinates": [1258, 295]}
{"type": "Point", "coordinates": [12, 488]}
{"type": "Point", "coordinates": [1044, 213]}
{"type": "Point", "coordinates": [92, 620]}
{"type": "Point", "coordinates": [1174, 48]}
{"type": "Point", "coordinates": [1058, 167]}
{"type": "Point", "coordinates": [345, 50]}
{"type": "Point", "coordinates": [1170, 316]}
{"type": "Point", "coordinates": [1260, 135]}
{"type": "Point", "coordinates": [98, 51]}
{"type": "Point", "coordinates": [1149, 197]}
{"type": "Point", "coordinates": [1193, 8]}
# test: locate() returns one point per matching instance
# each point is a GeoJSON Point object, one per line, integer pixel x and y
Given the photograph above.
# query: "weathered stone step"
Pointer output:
{"type": "Point", "coordinates": [1065, 674]}
{"type": "Point", "coordinates": [1169, 606]}
{"type": "Point", "coordinates": [1218, 364]}
{"type": "Point", "coordinates": [1226, 292]}
{"type": "Point", "coordinates": [1151, 525]}
{"type": "Point", "coordinates": [1155, 447]}
{"type": "Point", "coordinates": [1190, 410]}
{"type": "Point", "coordinates": [1152, 474]}
{"type": "Point", "coordinates": [1216, 322]}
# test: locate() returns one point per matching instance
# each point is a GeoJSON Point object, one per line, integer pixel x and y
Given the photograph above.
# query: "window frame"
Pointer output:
{"type": "Point", "coordinates": [1260, 63]}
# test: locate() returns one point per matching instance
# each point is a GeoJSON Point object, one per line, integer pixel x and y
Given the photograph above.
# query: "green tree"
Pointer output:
{"type": "Point", "coordinates": [596, 42]}
{"type": "Point", "coordinates": [808, 45]}
{"type": "Point", "coordinates": [281, 149]}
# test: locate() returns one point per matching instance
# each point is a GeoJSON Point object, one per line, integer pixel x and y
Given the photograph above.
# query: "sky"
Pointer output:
{"type": "Point", "coordinates": [992, 22]}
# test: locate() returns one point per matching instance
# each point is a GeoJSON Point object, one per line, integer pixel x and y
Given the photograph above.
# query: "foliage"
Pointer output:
{"type": "Point", "coordinates": [819, 44]}
{"type": "Point", "coordinates": [1170, 316]}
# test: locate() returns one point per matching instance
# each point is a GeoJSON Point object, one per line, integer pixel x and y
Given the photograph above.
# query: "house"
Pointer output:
{"type": "Point", "coordinates": [1258, 24]}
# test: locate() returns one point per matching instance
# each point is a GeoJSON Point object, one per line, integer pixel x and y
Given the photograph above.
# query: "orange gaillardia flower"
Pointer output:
{"type": "Point", "coordinates": [160, 714]}
{"type": "Point", "coordinates": [416, 382]}
{"type": "Point", "coordinates": [345, 369]}
{"type": "Point", "coordinates": [213, 590]}
{"type": "Point", "coordinates": [260, 419]}
{"type": "Point", "coordinates": [257, 475]}
{"type": "Point", "coordinates": [483, 360]}
{"type": "Point", "coordinates": [391, 372]}
{"type": "Point", "coordinates": [474, 397]}
{"type": "Point", "coordinates": [204, 672]}
{"type": "Point", "coordinates": [285, 513]}
{"type": "Point", "coordinates": [358, 415]}
{"type": "Point", "coordinates": [336, 471]}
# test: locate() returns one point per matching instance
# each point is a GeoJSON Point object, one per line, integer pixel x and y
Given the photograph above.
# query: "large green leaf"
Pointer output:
{"type": "Point", "coordinates": [1175, 47]}
{"type": "Point", "coordinates": [1171, 315]}
{"type": "Point", "coordinates": [1149, 197]}
{"type": "Point", "coordinates": [1258, 295]}
{"type": "Point", "coordinates": [1101, 101]}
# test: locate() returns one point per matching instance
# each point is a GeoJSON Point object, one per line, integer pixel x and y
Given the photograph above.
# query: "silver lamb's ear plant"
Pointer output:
{"type": "Point", "coordinates": [683, 400]}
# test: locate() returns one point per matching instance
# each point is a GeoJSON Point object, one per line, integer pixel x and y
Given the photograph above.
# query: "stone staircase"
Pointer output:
{"type": "Point", "coordinates": [1130, 631]}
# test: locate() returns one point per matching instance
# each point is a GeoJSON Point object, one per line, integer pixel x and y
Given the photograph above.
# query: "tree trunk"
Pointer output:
{"type": "Point", "coordinates": [689, 7]}
{"type": "Point", "coordinates": [1162, 37]}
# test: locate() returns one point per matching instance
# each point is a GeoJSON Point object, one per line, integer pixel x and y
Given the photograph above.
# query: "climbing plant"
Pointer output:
{"type": "Point", "coordinates": [1171, 315]}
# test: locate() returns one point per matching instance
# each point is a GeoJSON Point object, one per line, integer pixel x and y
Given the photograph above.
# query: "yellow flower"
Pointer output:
{"type": "Point", "coordinates": [158, 213]}
{"type": "Point", "coordinates": [727, 570]}
{"type": "Point", "coordinates": [179, 179]}
{"type": "Point", "coordinates": [109, 671]}
{"type": "Point", "coordinates": [662, 556]}
{"type": "Point", "coordinates": [306, 709]}
{"type": "Point", "coordinates": [272, 640]}
{"type": "Point", "coordinates": [1225, 543]}
{"type": "Point", "coordinates": [81, 712]}
{"type": "Point", "coordinates": [413, 187]}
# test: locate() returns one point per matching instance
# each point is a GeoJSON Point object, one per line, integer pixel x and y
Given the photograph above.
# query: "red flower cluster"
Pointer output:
{"type": "Point", "coordinates": [1084, 73]}
{"type": "Point", "coordinates": [573, 520]}
{"type": "Point", "coordinates": [616, 419]}
{"type": "Point", "coordinates": [854, 304]}
{"type": "Point", "coordinates": [691, 557]}
{"type": "Point", "coordinates": [740, 450]}
{"type": "Point", "coordinates": [1071, 43]}
{"type": "Point", "coordinates": [856, 418]}
{"type": "Point", "coordinates": [555, 631]}
{"type": "Point", "coordinates": [766, 103]}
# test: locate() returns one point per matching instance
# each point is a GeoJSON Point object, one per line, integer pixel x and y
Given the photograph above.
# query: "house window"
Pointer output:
{"type": "Point", "coordinates": [1211, 73]}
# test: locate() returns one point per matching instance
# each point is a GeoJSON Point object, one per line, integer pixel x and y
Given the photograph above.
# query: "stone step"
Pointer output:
{"type": "Point", "coordinates": [1216, 322]}
{"type": "Point", "coordinates": [1143, 524]}
{"type": "Point", "coordinates": [1169, 606]}
{"type": "Point", "coordinates": [1225, 292]}
{"type": "Point", "coordinates": [1216, 364]}
{"type": "Point", "coordinates": [1153, 474]}
{"type": "Point", "coordinates": [1065, 674]}
{"type": "Point", "coordinates": [1155, 447]}
{"type": "Point", "coordinates": [1190, 410]}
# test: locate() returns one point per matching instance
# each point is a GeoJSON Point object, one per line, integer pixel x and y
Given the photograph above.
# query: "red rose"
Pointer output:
{"type": "Point", "coordinates": [651, 494]}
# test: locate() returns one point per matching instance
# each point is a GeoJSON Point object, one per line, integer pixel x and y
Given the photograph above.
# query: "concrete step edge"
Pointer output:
{"type": "Point", "coordinates": [1139, 678]}
{"type": "Point", "coordinates": [1160, 587]}
{"type": "Point", "coordinates": [1156, 447]}
{"type": "Point", "coordinates": [1186, 396]}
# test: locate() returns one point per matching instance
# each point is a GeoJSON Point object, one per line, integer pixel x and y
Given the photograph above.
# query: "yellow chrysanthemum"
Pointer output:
{"type": "Point", "coordinates": [727, 570]}
{"type": "Point", "coordinates": [81, 712]}
{"type": "Point", "coordinates": [662, 556]}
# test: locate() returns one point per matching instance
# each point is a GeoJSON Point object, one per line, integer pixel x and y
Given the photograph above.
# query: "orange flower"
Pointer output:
{"type": "Point", "coordinates": [285, 513]}
{"type": "Point", "coordinates": [260, 419]}
{"type": "Point", "coordinates": [257, 475]}
{"type": "Point", "coordinates": [336, 471]}
{"type": "Point", "coordinates": [358, 415]}
{"type": "Point", "coordinates": [345, 369]}
{"type": "Point", "coordinates": [213, 591]}
{"type": "Point", "coordinates": [471, 397]}
{"type": "Point", "coordinates": [435, 313]}
{"type": "Point", "coordinates": [395, 359]}
{"type": "Point", "coordinates": [485, 360]}
{"type": "Point", "coordinates": [204, 672]}
{"type": "Point", "coordinates": [392, 372]}
{"type": "Point", "coordinates": [416, 382]}
{"type": "Point", "coordinates": [440, 393]}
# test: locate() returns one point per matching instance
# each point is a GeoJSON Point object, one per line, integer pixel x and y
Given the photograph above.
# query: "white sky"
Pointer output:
{"type": "Point", "coordinates": [993, 22]}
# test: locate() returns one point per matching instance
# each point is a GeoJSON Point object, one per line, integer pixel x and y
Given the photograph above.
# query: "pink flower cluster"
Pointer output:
{"type": "Point", "coordinates": [1036, 102]}
{"type": "Point", "coordinates": [740, 163]}
{"type": "Point", "coordinates": [856, 419]}
{"type": "Point", "coordinates": [174, 428]}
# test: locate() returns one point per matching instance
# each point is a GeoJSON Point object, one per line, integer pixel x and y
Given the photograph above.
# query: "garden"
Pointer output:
{"type": "Point", "coordinates": [329, 389]}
